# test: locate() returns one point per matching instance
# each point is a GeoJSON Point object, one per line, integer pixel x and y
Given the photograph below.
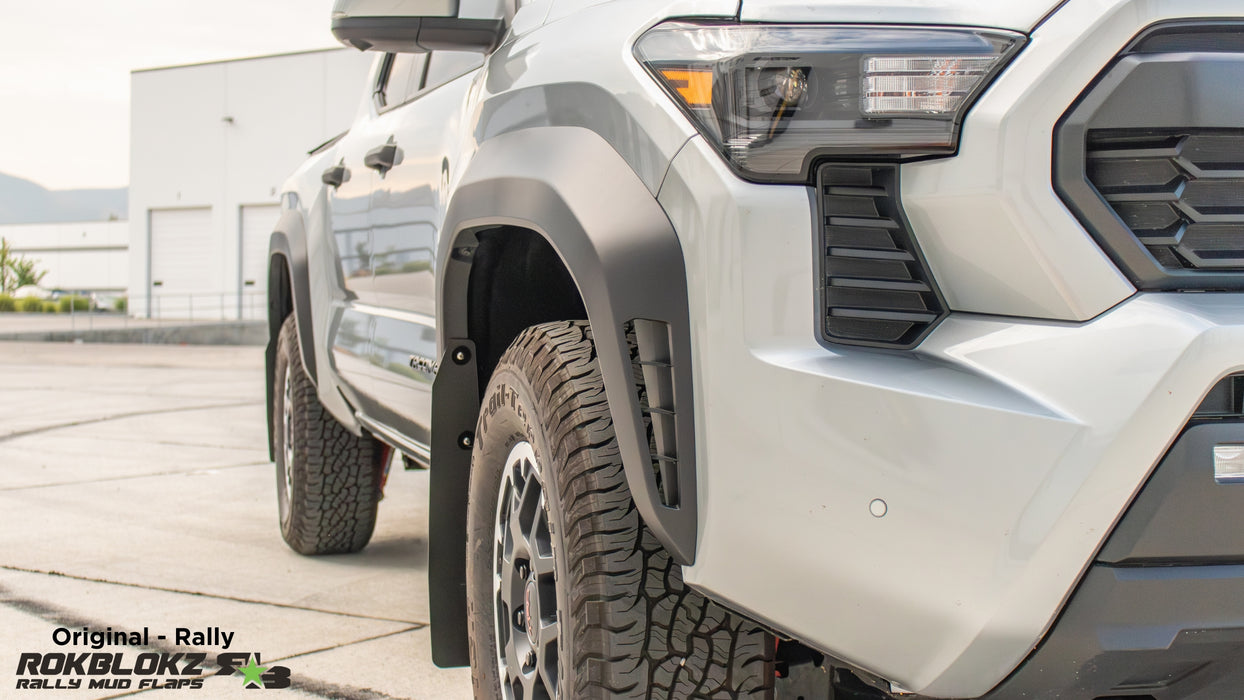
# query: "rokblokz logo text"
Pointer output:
{"type": "Point", "coordinates": [112, 670]}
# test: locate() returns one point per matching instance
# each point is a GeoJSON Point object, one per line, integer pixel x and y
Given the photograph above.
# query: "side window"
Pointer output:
{"type": "Point", "coordinates": [447, 65]}
{"type": "Point", "coordinates": [403, 76]}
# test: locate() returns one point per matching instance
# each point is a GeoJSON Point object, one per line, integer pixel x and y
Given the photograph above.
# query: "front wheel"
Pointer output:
{"type": "Point", "coordinates": [571, 596]}
{"type": "Point", "coordinates": [328, 480]}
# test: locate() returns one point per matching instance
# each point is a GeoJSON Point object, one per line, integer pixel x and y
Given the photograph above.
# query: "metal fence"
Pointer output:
{"type": "Point", "coordinates": [204, 306]}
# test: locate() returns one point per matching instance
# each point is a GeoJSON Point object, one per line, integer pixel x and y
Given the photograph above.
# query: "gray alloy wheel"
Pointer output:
{"type": "Point", "coordinates": [525, 575]}
{"type": "Point", "coordinates": [285, 486]}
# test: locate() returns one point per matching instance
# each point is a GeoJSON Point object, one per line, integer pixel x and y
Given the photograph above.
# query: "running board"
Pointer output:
{"type": "Point", "coordinates": [413, 450]}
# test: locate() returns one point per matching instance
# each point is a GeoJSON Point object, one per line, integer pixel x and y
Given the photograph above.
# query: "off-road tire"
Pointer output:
{"type": "Point", "coordinates": [329, 505]}
{"type": "Point", "coordinates": [629, 627]}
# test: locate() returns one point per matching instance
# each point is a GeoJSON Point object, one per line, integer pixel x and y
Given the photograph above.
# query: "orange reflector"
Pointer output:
{"type": "Point", "coordinates": [694, 86]}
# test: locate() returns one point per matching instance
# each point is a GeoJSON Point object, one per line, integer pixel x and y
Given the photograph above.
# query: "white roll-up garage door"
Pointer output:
{"type": "Point", "coordinates": [182, 256]}
{"type": "Point", "coordinates": [257, 224]}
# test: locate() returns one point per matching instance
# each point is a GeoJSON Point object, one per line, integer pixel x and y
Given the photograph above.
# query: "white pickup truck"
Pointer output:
{"type": "Point", "coordinates": [786, 348]}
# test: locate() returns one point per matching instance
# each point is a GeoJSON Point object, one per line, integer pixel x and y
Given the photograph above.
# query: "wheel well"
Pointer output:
{"type": "Point", "coordinates": [280, 306]}
{"type": "Point", "coordinates": [517, 280]}
{"type": "Point", "coordinates": [280, 294]}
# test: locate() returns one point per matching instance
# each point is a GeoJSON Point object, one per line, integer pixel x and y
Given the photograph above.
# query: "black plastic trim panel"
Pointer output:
{"type": "Point", "coordinates": [1183, 514]}
{"type": "Point", "coordinates": [455, 403]}
{"type": "Point", "coordinates": [287, 258]}
{"type": "Point", "coordinates": [419, 34]}
{"type": "Point", "coordinates": [627, 263]}
{"type": "Point", "coordinates": [1156, 633]}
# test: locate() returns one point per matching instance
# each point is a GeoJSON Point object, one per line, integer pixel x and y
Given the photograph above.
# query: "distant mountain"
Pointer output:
{"type": "Point", "coordinates": [25, 202]}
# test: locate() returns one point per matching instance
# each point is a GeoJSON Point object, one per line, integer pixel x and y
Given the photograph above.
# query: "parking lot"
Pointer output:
{"type": "Point", "coordinates": [136, 492]}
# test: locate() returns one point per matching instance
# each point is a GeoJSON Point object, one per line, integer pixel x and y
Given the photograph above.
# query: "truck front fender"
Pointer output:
{"type": "Point", "coordinates": [289, 290]}
{"type": "Point", "coordinates": [571, 187]}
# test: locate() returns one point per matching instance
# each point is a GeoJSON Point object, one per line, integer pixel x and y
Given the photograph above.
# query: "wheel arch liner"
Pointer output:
{"type": "Point", "coordinates": [571, 187]}
{"type": "Point", "coordinates": [289, 242]}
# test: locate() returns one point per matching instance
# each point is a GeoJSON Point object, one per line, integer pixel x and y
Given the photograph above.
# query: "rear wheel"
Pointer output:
{"type": "Point", "coordinates": [328, 480]}
{"type": "Point", "coordinates": [571, 596]}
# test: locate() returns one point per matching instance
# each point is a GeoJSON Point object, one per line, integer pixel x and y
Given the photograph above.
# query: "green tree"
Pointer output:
{"type": "Point", "coordinates": [6, 254]}
{"type": "Point", "coordinates": [16, 270]}
{"type": "Point", "coordinates": [25, 273]}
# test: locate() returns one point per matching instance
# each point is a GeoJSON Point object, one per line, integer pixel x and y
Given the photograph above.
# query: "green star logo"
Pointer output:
{"type": "Point", "coordinates": [253, 673]}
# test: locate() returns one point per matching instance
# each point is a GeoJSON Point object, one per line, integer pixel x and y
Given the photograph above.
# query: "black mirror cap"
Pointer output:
{"type": "Point", "coordinates": [419, 34]}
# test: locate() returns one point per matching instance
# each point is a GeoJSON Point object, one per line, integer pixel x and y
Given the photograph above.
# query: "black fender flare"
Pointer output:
{"type": "Point", "coordinates": [570, 186]}
{"type": "Point", "coordinates": [288, 242]}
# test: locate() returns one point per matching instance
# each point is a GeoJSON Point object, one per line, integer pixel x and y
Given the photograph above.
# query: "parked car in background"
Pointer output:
{"type": "Point", "coordinates": [31, 291]}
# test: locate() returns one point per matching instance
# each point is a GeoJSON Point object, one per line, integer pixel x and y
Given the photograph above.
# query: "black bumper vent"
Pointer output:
{"type": "Point", "coordinates": [1223, 402]}
{"type": "Point", "coordinates": [876, 288]}
{"type": "Point", "coordinates": [1151, 157]}
{"type": "Point", "coordinates": [1180, 194]}
{"type": "Point", "coordinates": [653, 370]}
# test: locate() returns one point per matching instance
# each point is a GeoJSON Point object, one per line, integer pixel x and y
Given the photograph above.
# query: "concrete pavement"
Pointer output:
{"type": "Point", "coordinates": [136, 492]}
{"type": "Point", "coordinates": [80, 321]}
{"type": "Point", "coordinates": [119, 328]}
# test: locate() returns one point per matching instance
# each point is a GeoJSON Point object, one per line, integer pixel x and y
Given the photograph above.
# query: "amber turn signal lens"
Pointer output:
{"type": "Point", "coordinates": [695, 87]}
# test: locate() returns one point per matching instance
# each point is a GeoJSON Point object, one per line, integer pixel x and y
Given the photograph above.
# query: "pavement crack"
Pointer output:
{"type": "Point", "coordinates": [323, 689]}
{"type": "Point", "coordinates": [119, 416]}
{"type": "Point", "coordinates": [176, 443]}
{"type": "Point", "coordinates": [412, 628]}
{"type": "Point", "coordinates": [66, 618]}
{"type": "Point", "coordinates": [215, 596]}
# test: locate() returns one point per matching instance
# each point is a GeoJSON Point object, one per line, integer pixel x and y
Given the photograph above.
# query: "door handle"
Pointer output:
{"type": "Point", "coordinates": [383, 158]}
{"type": "Point", "coordinates": [336, 175]}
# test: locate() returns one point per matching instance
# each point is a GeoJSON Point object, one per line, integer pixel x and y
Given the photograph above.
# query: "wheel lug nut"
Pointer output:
{"type": "Point", "coordinates": [522, 571]}
{"type": "Point", "coordinates": [531, 659]}
{"type": "Point", "coordinates": [519, 618]}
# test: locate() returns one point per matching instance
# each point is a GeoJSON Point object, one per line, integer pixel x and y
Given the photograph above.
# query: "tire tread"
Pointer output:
{"type": "Point", "coordinates": [333, 510]}
{"type": "Point", "coordinates": [640, 632]}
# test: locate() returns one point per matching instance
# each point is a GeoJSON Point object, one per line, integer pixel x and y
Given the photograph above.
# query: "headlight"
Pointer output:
{"type": "Point", "coordinates": [774, 97]}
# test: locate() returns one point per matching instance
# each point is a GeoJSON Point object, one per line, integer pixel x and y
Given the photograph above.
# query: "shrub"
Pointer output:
{"type": "Point", "coordinates": [50, 307]}
{"type": "Point", "coordinates": [74, 303]}
{"type": "Point", "coordinates": [121, 304]}
{"type": "Point", "coordinates": [30, 305]}
{"type": "Point", "coordinates": [7, 303]}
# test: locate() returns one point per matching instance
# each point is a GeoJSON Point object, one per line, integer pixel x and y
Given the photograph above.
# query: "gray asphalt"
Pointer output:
{"type": "Point", "coordinates": [136, 492]}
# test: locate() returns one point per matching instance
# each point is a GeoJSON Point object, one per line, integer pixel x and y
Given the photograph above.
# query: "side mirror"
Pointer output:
{"type": "Point", "coordinates": [417, 26]}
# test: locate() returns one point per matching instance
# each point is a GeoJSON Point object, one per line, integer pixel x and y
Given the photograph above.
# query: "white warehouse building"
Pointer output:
{"type": "Point", "coordinates": [210, 145]}
{"type": "Point", "coordinates": [90, 257]}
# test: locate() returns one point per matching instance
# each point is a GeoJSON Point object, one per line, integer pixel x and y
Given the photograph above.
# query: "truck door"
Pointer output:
{"type": "Point", "coordinates": [348, 184]}
{"type": "Point", "coordinates": [407, 208]}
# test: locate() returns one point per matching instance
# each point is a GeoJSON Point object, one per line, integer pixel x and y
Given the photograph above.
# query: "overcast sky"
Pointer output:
{"type": "Point", "coordinates": [65, 71]}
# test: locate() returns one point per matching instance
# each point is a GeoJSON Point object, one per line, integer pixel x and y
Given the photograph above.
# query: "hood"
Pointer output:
{"type": "Point", "coordinates": [1016, 15]}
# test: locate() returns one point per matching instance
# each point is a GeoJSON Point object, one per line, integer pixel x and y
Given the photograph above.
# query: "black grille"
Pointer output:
{"type": "Point", "coordinates": [1151, 157]}
{"type": "Point", "coordinates": [877, 289]}
{"type": "Point", "coordinates": [1181, 194]}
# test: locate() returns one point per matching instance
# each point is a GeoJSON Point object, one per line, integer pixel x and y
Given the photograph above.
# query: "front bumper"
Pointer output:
{"type": "Point", "coordinates": [1004, 449]}
{"type": "Point", "coordinates": [1001, 451]}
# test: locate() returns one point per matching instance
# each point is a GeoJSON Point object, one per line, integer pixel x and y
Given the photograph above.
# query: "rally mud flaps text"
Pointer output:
{"type": "Point", "coordinates": [109, 670]}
